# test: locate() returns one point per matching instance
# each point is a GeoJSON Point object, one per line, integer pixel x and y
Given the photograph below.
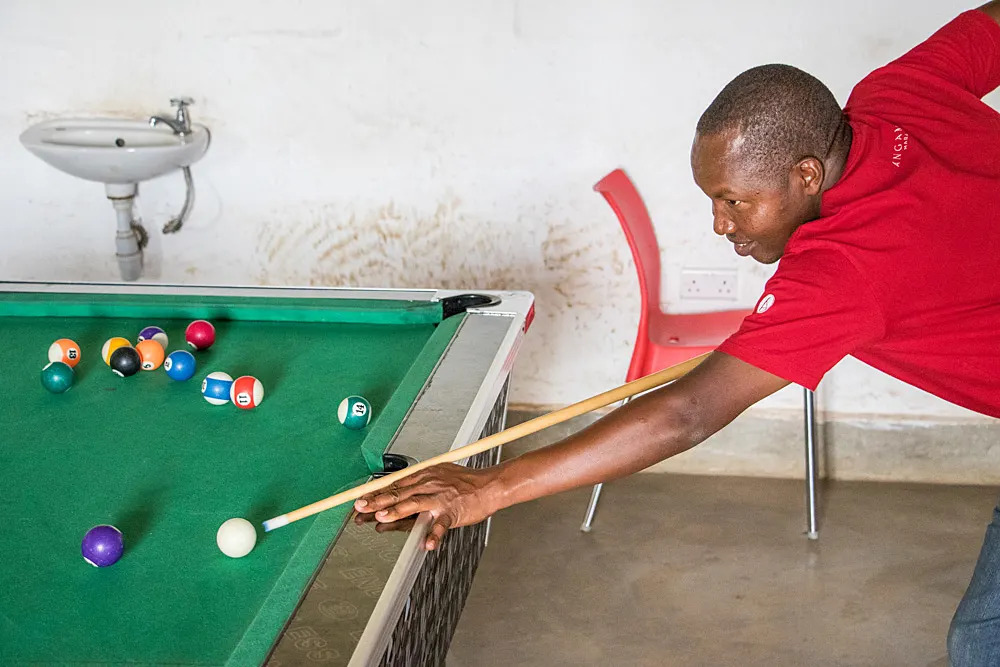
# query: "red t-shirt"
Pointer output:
{"type": "Point", "coordinates": [902, 269]}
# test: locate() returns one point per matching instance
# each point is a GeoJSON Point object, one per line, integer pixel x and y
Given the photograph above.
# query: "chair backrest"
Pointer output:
{"type": "Point", "coordinates": [627, 204]}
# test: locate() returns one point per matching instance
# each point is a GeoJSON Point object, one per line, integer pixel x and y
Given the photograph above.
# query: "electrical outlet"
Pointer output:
{"type": "Point", "coordinates": [709, 284]}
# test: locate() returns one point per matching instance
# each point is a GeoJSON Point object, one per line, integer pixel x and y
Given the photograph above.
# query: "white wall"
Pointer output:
{"type": "Point", "coordinates": [426, 144]}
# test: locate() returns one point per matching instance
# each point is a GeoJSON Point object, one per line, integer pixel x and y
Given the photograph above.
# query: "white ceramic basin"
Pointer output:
{"type": "Point", "coordinates": [110, 150]}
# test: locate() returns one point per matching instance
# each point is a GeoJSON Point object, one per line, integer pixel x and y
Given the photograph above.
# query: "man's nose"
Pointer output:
{"type": "Point", "coordinates": [721, 223]}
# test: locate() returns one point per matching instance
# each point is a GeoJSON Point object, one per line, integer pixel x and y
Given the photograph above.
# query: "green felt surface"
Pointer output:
{"type": "Point", "coordinates": [152, 457]}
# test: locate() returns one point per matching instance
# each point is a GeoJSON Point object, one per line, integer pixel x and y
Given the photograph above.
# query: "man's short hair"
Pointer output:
{"type": "Point", "coordinates": [783, 115]}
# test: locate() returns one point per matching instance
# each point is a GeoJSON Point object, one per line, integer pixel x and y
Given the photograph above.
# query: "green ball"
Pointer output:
{"type": "Point", "coordinates": [57, 377]}
{"type": "Point", "coordinates": [354, 412]}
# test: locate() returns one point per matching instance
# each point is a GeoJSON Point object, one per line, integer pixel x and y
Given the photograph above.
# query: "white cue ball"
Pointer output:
{"type": "Point", "coordinates": [236, 537]}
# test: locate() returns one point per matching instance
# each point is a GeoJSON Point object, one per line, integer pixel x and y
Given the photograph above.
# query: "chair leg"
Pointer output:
{"type": "Point", "coordinates": [595, 495]}
{"type": "Point", "coordinates": [588, 520]}
{"type": "Point", "coordinates": [812, 531]}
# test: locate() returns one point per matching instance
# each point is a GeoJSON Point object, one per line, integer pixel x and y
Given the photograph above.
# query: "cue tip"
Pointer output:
{"type": "Point", "coordinates": [276, 522]}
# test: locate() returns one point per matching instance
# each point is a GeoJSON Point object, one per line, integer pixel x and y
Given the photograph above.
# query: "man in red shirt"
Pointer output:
{"type": "Point", "coordinates": [884, 215]}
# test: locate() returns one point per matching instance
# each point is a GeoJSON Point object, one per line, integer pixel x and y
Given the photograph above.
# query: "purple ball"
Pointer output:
{"type": "Point", "coordinates": [102, 546]}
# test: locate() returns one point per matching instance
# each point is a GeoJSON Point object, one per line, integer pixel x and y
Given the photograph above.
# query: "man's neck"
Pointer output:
{"type": "Point", "coordinates": [836, 159]}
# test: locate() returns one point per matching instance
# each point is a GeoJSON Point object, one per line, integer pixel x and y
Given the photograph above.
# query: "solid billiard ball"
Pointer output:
{"type": "Point", "coordinates": [154, 333]}
{"type": "Point", "coordinates": [354, 412]}
{"type": "Point", "coordinates": [57, 377]}
{"type": "Point", "coordinates": [150, 354]}
{"type": "Point", "coordinates": [247, 392]}
{"type": "Point", "coordinates": [215, 387]}
{"type": "Point", "coordinates": [66, 351]}
{"type": "Point", "coordinates": [112, 344]}
{"type": "Point", "coordinates": [236, 537]}
{"type": "Point", "coordinates": [102, 546]}
{"type": "Point", "coordinates": [180, 365]}
{"type": "Point", "coordinates": [200, 334]}
{"type": "Point", "coordinates": [125, 361]}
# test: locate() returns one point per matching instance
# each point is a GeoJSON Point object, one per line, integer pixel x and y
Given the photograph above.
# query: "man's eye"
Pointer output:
{"type": "Point", "coordinates": [733, 202]}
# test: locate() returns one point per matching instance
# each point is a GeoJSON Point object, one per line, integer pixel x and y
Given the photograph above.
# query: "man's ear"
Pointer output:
{"type": "Point", "coordinates": [807, 176]}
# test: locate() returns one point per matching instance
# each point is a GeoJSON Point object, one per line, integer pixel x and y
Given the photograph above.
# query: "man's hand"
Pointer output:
{"type": "Point", "coordinates": [454, 495]}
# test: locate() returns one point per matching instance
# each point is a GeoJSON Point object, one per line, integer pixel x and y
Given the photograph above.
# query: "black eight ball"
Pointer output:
{"type": "Point", "coordinates": [125, 361]}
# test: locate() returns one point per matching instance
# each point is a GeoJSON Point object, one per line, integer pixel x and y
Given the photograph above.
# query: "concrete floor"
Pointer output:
{"type": "Point", "coordinates": [685, 570]}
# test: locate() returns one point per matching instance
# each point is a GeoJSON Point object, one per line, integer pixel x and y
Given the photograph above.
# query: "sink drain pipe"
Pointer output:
{"type": "Point", "coordinates": [130, 237]}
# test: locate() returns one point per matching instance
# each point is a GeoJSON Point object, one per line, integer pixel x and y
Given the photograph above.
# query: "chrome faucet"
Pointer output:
{"type": "Point", "coordinates": [181, 124]}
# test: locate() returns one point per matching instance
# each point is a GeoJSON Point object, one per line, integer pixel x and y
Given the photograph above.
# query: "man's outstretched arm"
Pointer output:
{"type": "Point", "coordinates": [649, 429]}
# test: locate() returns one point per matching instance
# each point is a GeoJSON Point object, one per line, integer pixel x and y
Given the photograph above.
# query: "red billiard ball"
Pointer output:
{"type": "Point", "coordinates": [200, 334]}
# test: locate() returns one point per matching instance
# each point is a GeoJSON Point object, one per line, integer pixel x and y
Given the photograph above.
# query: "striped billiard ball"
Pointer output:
{"type": "Point", "coordinates": [215, 387]}
{"type": "Point", "coordinates": [154, 333]}
{"type": "Point", "coordinates": [354, 412]}
{"type": "Point", "coordinates": [112, 344]}
{"type": "Point", "coordinates": [66, 351]}
{"type": "Point", "coordinates": [247, 392]}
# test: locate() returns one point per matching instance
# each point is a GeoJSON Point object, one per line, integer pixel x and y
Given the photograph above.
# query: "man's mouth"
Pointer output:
{"type": "Point", "coordinates": [742, 248]}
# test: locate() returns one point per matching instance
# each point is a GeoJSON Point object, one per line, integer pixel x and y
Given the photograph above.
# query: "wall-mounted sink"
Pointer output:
{"type": "Point", "coordinates": [109, 150]}
{"type": "Point", "coordinates": [121, 153]}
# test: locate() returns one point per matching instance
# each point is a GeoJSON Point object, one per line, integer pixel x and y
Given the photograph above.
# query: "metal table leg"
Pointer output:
{"type": "Point", "coordinates": [498, 455]}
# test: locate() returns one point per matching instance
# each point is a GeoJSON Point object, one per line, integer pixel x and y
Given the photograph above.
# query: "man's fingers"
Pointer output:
{"type": "Point", "coordinates": [421, 482]}
{"type": "Point", "coordinates": [388, 496]}
{"type": "Point", "coordinates": [402, 526]}
{"type": "Point", "coordinates": [408, 507]}
{"type": "Point", "coordinates": [436, 533]}
{"type": "Point", "coordinates": [362, 518]}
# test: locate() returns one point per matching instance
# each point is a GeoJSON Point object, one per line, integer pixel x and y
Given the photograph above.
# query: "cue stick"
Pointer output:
{"type": "Point", "coordinates": [627, 390]}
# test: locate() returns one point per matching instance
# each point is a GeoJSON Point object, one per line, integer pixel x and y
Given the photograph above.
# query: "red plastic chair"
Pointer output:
{"type": "Point", "coordinates": [666, 339]}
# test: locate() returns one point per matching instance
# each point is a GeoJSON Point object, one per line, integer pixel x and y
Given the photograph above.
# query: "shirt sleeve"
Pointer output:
{"type": "Point", "coordinates": [965, 52]}
{"type": "Point", "coordinates": [815, 310]}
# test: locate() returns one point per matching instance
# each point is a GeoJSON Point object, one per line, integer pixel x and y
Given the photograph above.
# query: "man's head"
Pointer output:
{"type": "Point", "coordinates": [765, 150]}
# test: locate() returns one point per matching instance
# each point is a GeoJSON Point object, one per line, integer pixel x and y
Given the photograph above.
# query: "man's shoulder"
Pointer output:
{"type": "Point", "coordinates": [959, 59]}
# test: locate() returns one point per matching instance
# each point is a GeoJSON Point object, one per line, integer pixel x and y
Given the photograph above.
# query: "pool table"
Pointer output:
{"type": "Point", "coordinates": [149, 455]}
